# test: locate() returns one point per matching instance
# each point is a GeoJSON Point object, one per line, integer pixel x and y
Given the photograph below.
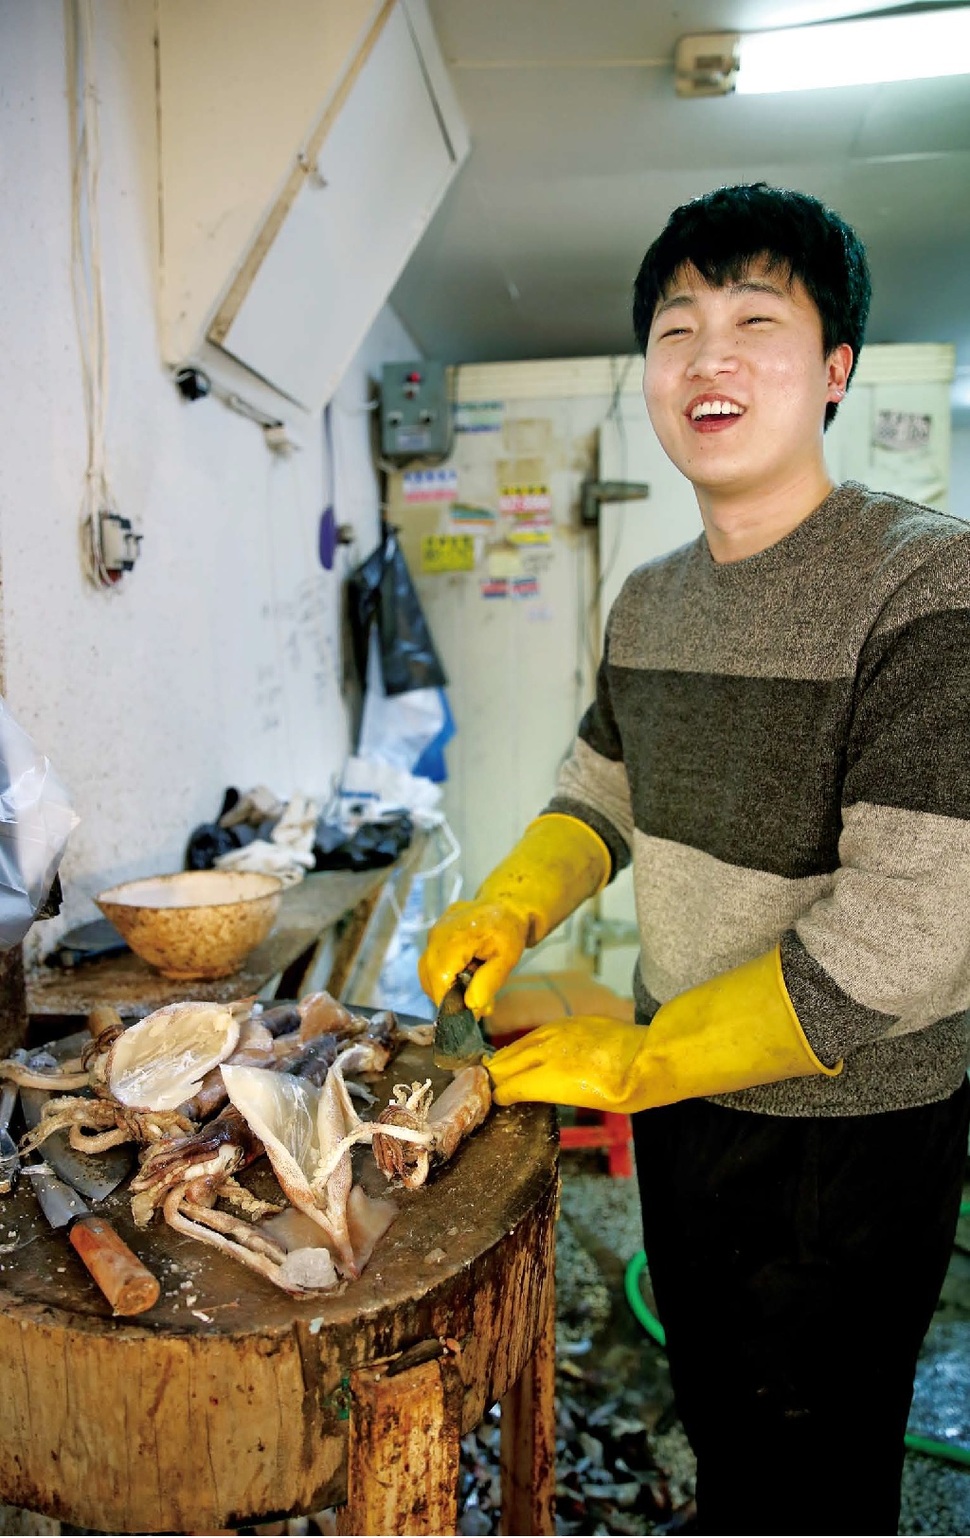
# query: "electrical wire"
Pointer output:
{"type": "Point", "coordinates": [87, 287]}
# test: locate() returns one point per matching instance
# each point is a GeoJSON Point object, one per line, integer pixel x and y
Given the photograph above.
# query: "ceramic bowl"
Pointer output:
{"type": "Point", "coordinates": [195, 924]}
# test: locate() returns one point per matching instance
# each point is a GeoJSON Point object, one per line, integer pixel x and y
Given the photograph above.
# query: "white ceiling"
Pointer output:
{"type": "Point", "coordinates": [580, 149]}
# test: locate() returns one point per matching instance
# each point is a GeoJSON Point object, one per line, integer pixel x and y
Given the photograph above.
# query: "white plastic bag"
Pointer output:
{"type": "Point", "coordinates": [396, 728]}
{"type": "Point", "coordinates": [36, 820]}
{"type": "Point", "coordinates": [371, 789]}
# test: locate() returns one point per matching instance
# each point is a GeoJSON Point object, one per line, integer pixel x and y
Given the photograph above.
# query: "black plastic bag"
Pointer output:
{"type": "Point", "coordinates": [381, 591]}
{"type": "Point", "coordinates": [371, 845]}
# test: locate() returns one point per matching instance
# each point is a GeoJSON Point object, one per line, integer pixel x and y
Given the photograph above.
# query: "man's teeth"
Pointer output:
{"type": "Point", "coordinates": [715, 409]}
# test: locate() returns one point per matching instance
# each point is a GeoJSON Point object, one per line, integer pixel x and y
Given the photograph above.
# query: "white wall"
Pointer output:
{"type": "Point", "coordinates": [218, 662]}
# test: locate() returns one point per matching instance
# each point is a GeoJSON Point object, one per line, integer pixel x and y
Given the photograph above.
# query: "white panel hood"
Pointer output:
{"type": "Point", "coordinates": [303, 151]}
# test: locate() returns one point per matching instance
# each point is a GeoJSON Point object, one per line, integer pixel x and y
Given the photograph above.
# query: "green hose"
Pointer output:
{"type": "Point", "coordinates": [934, 1449]}
{"type": "Point", "coordinates": [631, 1283]}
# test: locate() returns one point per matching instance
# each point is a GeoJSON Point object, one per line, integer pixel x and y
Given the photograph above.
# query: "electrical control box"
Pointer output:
{"type": "Point", "coordinates": [415, 411]}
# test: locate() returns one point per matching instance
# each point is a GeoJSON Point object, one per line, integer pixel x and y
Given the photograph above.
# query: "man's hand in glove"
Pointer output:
{"type": "Point", "coordinates": [556, 865]}
{"type": "Point", "coordinates": [736, 1031]}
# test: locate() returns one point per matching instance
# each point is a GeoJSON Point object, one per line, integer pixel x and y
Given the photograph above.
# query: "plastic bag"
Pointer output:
{"type": "Point", "coordinates": [381, 592]}
{"type": "Point", "coordinates": [36, 820]}
{"type": "Point", "coordinates": [431, 764]}
{"type": "Point", "coordinates": [372, 844]}
{"type": "Point", "coordinates": [397, 728]}
{"type": "Point", "coordinates": [371, 789]}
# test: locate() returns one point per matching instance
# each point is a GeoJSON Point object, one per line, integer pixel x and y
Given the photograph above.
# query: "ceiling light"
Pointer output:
{"type": "Point", "coordinates": [868, 51]}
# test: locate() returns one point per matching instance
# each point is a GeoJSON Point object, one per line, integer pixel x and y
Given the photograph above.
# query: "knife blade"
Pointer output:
{"type": "Point", "coordinates": [94, 1175]}
{"type": "Point", "coordinates": [9, 1152]}
{"type": "Point", "coordinates": [127, 1284]}
{"type": "Point", "coordinates": [458, 1040]}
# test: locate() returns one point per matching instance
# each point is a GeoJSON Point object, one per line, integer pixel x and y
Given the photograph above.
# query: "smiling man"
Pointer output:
{"type": "Point", "coordinates": [779, 743]}
{"type": "Point", "coordinates": [737, 382]}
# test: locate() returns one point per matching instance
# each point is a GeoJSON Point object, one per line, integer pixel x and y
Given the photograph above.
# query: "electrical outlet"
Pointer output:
{"type": "Point", "coordinates": [119, 543]}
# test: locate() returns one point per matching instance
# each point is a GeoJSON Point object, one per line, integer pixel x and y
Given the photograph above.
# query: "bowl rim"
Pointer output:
{"type": "Point", "coordinates": [111, 894]}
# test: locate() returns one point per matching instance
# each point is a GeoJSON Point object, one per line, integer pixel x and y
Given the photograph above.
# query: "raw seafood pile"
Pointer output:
{"type": "Point", "coordinates": [206, 1089]}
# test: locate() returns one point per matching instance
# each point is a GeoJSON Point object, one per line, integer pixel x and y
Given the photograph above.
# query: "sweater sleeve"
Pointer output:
{"type": "Point", "coordinates": [592, 783]}
{"type": "Point", "coordinates": [887, 951]}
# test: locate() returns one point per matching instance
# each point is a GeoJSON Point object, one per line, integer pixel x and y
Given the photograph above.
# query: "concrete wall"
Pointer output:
{"type": "Point", "coordinates": [219, 659]}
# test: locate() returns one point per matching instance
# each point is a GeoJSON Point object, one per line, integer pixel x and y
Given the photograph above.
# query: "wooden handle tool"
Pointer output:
{"type": "Point", "coordinates": [127, 1284]}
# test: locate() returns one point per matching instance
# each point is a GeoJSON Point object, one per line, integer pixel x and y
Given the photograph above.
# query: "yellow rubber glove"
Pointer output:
{"type": "Point", "coordinates": [558, 862]}
{"type": "Point", "coordinates": [736, 1031]}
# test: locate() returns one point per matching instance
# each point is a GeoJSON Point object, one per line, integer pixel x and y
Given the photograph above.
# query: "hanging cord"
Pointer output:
{"type": "Point", "coordinates": [86, 283]}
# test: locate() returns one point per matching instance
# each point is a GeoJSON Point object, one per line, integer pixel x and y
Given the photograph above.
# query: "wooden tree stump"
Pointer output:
{"type": "Point", "coordinates": [230, 1403]}
{"type": "Point", "coordinates": [13, 1000]}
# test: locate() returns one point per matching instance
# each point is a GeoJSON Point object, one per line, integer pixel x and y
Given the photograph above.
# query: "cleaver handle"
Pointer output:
{"type": "Point", "coordinates": [128, 1286]}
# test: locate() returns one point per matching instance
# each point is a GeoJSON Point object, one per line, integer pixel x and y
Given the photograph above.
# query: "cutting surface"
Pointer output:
{"type": "Point", "coordinates": [228, 1403]}
{"type": "Point", "coordinates": [466, 1205]}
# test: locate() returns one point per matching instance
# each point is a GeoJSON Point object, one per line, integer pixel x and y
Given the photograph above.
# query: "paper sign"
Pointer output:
{"type": "Point", "coordinates": [528, 534]}
{"type": "Point", "coordinates": [479, 416]}
{"type": "Point", "coordinates": [525, 587]}
{"type": "Point", "coordinates": [504, 562]}
{"type": "Point", "coordinates": [448, 552]}
{"type": "Point", "coordinates": [494, 587]}
{"type": "Point", "coordinates": [902, 430]}
{"type": "Point", "coordinates": [472, 517]}
{"type": "Point", "coordinates": [525, 499]}
{"type": "Point", "coordinates": [430, 485]}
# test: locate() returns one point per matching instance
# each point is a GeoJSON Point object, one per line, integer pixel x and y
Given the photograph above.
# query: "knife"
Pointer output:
{"type": "Point", "coordinates": [9, 1152]}
{"type": "Point", "coordinates": [458, 1040]}
{"type": "Point", "coordinates": [129, 1286]}
{"type": "Point", "coordinates": [94, 1175]}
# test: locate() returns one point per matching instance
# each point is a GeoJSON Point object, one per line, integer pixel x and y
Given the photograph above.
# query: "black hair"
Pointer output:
{"type": "Point", "coordinates": [723, 232]}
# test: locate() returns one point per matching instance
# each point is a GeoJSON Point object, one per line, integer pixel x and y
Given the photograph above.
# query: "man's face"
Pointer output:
{"type": "Point", "coordinates": [736, 382]}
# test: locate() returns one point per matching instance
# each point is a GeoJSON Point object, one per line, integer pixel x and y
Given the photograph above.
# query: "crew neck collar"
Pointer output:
{"type": "Point", "coordinates": [805, 537]}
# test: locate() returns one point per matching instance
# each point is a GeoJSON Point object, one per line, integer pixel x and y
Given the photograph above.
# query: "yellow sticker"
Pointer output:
{"type": "Point", "coordinates": [530, 536]}
{"type": "Point", "coordinates": [448, 552]}
{"type": "Point", "coordinates": [503, 562]}
{"type": "Point", "coordinates": [524, 499]}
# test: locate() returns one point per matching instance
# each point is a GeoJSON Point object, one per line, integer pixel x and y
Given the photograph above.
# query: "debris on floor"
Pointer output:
{"type": "Point", "coordinates": [623, 1462]}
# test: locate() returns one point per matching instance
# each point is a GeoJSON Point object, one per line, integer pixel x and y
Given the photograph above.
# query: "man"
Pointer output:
{"type": "Point", "coordinates": [780, 742]}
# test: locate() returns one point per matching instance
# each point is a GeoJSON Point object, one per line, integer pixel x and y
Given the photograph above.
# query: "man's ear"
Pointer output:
{"type": "Point", "coordinates": [839, 365]}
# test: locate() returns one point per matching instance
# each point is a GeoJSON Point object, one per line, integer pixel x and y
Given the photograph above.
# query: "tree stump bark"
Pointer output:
{"type": "Point", "coordinates": [13, 1000]}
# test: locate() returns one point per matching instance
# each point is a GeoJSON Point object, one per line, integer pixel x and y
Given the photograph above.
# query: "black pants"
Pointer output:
{"type": "Point", "coordinates": [796, 1264]}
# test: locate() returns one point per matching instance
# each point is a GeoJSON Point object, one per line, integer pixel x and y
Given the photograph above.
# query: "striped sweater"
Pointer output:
{"type": "Point", "coordinates": [782, 747]}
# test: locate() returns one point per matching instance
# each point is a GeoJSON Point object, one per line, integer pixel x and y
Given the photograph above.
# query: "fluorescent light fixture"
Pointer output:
{"type": "Point", "coordinates": [868, 51]}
